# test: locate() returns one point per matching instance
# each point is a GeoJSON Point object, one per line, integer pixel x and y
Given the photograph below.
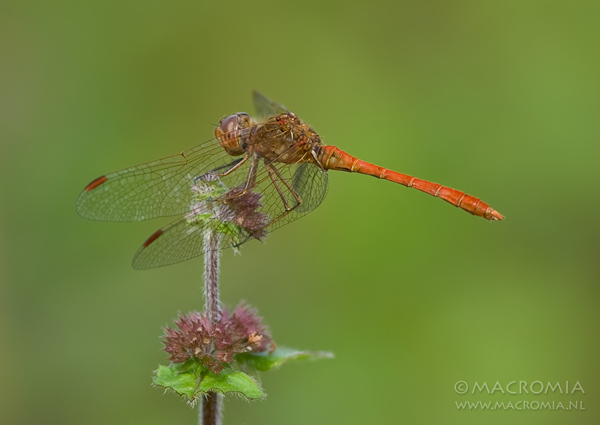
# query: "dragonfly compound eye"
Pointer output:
{"type": "Point", "coordinates": [229, 133]}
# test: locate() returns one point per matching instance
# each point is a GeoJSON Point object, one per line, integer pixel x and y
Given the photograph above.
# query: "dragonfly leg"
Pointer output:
{"type": "Point", "coordinates": [229, 168]}
{"type": "Point", "coordinates": [273, 171]}
{"type": "Point", "coordinates": [250, 180]}
{"type": "Point", "coordinates": [236, 164]}
{"type": "Point", "coordinates": [251, 175]}
{"type": "Point", "coordinates": [286, 183]}
{"type": "Point", "coordinates": [272, 175]}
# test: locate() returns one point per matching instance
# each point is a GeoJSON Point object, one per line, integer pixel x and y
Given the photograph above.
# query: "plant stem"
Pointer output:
{"type": "Point", "coordinates": [210, 411]}
{"type": "Point", "coordinates": [210, 414]}
{"type": "Point", "coordinates": [212, 262]}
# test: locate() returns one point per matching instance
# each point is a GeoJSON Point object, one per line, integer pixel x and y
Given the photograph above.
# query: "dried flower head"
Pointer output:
{"type": "Point", "coordinates": [233, 212]}
{"type": "Point", "coordinates": [215, 346]}
{"type": "Point", "coordinates": [245, 206]}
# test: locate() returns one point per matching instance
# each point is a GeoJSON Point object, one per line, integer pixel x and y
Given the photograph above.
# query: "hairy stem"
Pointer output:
{"type": "Point", "coordinates": [212, 261]}
{"type": "Point", "coordinates": [210, 411]}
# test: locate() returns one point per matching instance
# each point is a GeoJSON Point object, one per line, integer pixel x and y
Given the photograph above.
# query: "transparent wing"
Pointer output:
{"type": "Point", "coordinates": [265, 107]}
{"type": "Point", "coordinates": [154, 189]}
{"type": "Point", "coordinates": [289, 191]}
{"type": "Point", "coordinates": [310, 182]}
{"type": "Point", "coordinates": [180, 241]}
{"type": "Point", "coordinates": [278, 195]}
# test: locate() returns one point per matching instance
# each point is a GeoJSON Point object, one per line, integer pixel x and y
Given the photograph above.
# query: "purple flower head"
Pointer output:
{"type": "Point", "coordinates": [239, 332]}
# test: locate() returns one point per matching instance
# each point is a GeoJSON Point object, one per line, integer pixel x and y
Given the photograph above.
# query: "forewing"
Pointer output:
{"type": "Point", "coordinates": [265, 107]}
{"type": "Point", "coordinates": [285, 194]}
{"type": "Point", "coordinates": [154, 189]}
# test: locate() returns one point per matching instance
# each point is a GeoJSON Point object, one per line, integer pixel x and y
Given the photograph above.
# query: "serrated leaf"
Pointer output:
{"type": "Point", "coordinates": [193, 380]}
{"type": "Point", "coordinates": [265, 361]}
{"type": "Point", "coordinates": [230, 381]}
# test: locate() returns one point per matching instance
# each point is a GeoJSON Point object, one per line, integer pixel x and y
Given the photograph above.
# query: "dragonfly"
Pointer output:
{"type": "Point", "coordinates": [256, 175]}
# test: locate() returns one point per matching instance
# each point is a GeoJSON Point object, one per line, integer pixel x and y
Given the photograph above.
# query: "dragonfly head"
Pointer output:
{"type": "Point", "coordinates": [229, 133]}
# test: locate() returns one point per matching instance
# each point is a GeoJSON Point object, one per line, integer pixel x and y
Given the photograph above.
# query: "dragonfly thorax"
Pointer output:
{"type": "Point", "coordinates": [284, 138]}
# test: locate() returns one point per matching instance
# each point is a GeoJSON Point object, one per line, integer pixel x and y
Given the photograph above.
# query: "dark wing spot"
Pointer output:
{"type": "Point", "coordinates": [95, 183]}
{"type": "Point", "coordinates": [152, 238]}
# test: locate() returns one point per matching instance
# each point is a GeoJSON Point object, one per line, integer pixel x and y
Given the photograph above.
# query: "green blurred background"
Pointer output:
{"type": "Point", "coordinates": [499, 99]}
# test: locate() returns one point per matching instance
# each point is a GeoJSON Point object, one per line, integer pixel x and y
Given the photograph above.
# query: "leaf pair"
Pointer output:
{"type": "Point", "coordinates": [192, 380]}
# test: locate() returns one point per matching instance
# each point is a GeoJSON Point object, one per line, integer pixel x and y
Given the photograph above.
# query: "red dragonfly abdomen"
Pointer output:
{"type": "Point", "coordinates": [332, 158]}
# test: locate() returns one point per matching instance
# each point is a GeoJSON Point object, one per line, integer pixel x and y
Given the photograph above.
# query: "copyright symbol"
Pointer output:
{"type": "Point", "coordinates": [461, 387]}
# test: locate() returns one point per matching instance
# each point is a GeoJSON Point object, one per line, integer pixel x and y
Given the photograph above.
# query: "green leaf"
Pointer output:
{"type": "Point", "coordinates": [192, 380]}
{"type": "Point", "coordinates": [230, 381]}
{"type": "Point", "coordinates": [265, 361]}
